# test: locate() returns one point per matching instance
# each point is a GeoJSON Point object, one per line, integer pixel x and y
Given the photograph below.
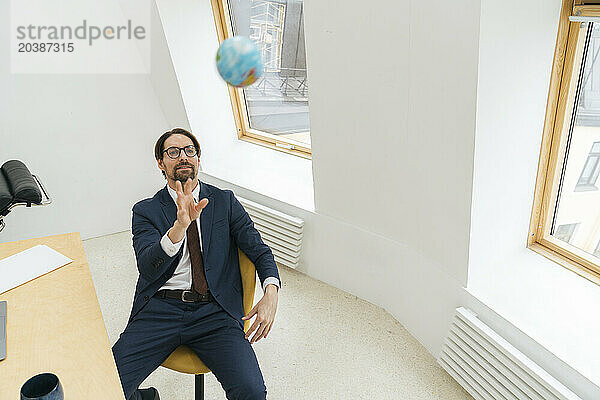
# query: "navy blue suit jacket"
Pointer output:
{"type": "Point", "coordinates": [224, 225]}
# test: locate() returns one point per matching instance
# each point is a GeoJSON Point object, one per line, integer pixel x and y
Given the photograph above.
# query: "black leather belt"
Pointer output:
{"type": "Point", "coordinates": [188, 296]}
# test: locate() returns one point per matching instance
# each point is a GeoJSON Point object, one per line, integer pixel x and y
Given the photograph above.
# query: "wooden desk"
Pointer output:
{"type": "Point", "coordinates": [55, 325]}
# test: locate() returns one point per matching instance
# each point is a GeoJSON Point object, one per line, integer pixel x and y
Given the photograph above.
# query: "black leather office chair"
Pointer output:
{"type": "Point", "coordinates": [18, 187]}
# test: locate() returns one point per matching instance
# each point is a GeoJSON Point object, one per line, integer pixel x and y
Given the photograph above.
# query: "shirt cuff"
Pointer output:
{"type": "Point", "coordinates": [169, 247]}
{"type": "Point", "coordinates": [271, 280]}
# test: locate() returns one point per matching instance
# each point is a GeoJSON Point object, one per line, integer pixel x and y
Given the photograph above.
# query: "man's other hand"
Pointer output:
{"type": "Point", "coordinates": [265, 311]}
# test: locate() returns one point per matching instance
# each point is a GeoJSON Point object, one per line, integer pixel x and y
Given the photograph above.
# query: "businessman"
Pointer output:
{"type": "Point", "coordinates": [189, 289]}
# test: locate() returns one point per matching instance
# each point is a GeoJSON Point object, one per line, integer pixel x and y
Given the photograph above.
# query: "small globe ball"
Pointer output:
{"type": "Point", "coordinates": [239, 62]}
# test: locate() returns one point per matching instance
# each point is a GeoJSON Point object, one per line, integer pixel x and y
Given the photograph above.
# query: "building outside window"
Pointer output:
{"type": "Point", "coordinates": [273, 111]}
{"type": "Point", "coordinates": [591, 169]}
{"type": "Point", "coordinates": [565, 232]}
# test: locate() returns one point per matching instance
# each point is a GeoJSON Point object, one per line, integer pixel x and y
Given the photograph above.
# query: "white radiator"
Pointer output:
{"type": "Point", "coordinates": [281, 232]}
{"type": "Point", "coordinates": [490, 368]}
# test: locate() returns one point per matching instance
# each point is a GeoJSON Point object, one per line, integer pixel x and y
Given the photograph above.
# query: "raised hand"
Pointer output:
{"type": "Point", "coordinates": [187, 209]}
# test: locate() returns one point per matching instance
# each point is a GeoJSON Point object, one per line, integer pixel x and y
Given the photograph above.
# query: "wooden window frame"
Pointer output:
{"type": "Point", "coordinates": [547, 182]}
{"type": "Point", "coordinates": [236, 95]}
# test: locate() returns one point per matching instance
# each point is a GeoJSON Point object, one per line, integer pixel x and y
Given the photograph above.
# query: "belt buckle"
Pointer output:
{"type": "Point", "coordinates": [183, 296]}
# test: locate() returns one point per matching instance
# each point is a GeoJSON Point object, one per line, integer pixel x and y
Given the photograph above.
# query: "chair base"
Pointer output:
{"type": "Point", "coordinates": [199, 387]}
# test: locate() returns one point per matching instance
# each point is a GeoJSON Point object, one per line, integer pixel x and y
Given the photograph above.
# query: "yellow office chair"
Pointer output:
{"type": "Point", "coordinates": [184, 360]}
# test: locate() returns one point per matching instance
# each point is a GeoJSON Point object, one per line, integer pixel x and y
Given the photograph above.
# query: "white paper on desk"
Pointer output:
{"type": "Point", "coordinates": [29, 264]}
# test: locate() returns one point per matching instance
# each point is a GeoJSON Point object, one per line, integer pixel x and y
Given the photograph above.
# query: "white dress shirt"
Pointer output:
{"type": "Point", "coordinates": [182, 277]}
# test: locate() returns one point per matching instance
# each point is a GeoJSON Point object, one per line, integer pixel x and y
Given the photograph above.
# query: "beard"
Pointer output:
{"type": "Point", "coordinates": [182, 175]}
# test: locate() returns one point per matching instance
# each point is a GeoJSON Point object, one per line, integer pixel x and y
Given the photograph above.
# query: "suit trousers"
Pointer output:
{"type": "Point", "coordinates": [214, 335]}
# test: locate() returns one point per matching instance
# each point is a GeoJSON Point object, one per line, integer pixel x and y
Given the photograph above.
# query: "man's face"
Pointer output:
{"type": "Point", "coordinates": [182, 167]}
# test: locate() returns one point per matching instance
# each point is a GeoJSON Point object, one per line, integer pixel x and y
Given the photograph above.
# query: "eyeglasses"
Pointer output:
{"type": "Point", "coordinates": [174, 152]}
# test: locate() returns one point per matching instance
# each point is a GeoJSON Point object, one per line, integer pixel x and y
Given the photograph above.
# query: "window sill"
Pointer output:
{"type": "Point", "coordinates": [559, 258]}
{"type": "Point", "coordinates": [279, 146]}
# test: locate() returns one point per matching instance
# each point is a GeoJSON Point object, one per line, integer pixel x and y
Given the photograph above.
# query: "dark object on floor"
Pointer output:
{"type": "Point", "coordinates": [149, 394]}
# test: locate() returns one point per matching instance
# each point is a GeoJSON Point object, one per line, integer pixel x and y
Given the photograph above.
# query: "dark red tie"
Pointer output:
{"type": "Point", "coordinates": [193, 241]}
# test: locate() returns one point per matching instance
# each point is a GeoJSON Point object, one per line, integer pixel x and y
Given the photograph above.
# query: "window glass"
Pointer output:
{"type": "Point", "coordinates": [597, 251]}
{"type": "Point", "coordinates": [589, 175]}
{"type": "Point", "coordinates": [565, 232]}
{"type": "Point", "coordinates": [576, 216]}
{"type": "Point", "coordinates": [277, 103]}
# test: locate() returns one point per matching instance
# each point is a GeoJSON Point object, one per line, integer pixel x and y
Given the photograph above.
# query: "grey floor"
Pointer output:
{"type": "Point", "coordinates": [325, 343]}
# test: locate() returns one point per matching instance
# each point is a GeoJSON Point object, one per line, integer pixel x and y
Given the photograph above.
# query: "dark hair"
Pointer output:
{"type": "Point", "coordinates": [159, 147]}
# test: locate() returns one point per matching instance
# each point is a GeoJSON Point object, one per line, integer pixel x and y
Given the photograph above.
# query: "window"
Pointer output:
{"type": "Point", "coordinates": [591, 169]}
{"type": "Point", "coordinates": [570, 156]}
{"type": "Point", "coordinates": [565, 232]}
{"type": "Point", "coordinates": [273, 111]}
{"type": "Point", "coordinates": [597, 251]}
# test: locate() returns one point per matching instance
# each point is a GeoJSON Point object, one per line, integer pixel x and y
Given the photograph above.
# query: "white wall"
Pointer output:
{"type": "Point", "coordinates": [163, 78]}
{"type": "Point", "coordinates": [550, 304]}
{"type": "Point", "coordinates": [67, 127]}
{"type": "Point", "coordinates": [393, 128]}
{"type": "Point", "coordinates": [393, 135]}
{"type": "Point", "coordinates": [392, 105]}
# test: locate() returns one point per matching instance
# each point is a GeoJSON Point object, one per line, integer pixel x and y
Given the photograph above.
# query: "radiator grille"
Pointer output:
{"type": "Point", "coordinates": [281, 232]}
{"type": "Point", "coordinates": [490, 368]}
